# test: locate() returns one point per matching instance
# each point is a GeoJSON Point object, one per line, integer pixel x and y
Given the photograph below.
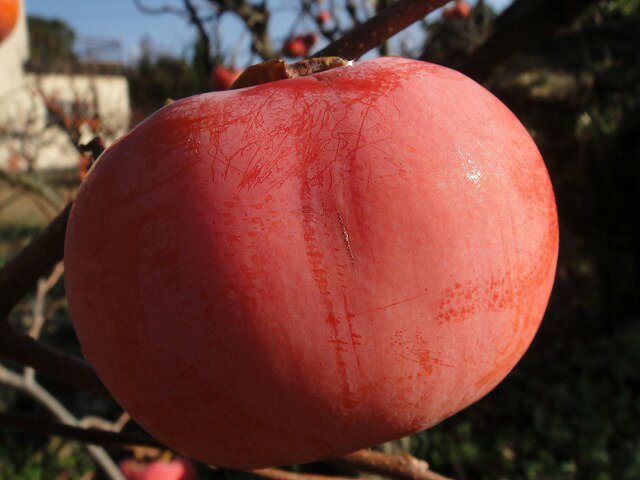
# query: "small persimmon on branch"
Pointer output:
{"type": "Point", "coordinates": [40, 256]}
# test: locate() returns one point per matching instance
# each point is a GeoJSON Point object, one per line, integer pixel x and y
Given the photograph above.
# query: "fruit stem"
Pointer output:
{"type": "Point", "coordinates": [273, 70]}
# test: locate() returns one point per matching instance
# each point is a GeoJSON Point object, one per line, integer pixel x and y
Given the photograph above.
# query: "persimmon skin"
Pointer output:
{"type": "Point", "coordinates": [9, 12]}
{"type": "Point", "coordinates": [296, 270]}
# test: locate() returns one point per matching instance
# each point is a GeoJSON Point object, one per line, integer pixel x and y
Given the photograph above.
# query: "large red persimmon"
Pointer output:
{"type": "Point", "coordinates": [296, 270]}
{"type": "Point", "coordinates": [9, 11]}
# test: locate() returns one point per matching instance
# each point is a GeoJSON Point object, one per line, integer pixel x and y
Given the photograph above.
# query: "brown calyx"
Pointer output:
{"type": "Point", "coordinates": [272, 70]}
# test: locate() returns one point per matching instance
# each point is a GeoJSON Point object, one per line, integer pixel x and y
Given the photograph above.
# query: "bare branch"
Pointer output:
{"type": "Point", "coordinates": [197, 22]}
{"type": "Point", "coordinates": [399, 466]}
{"type": "Point", "coordinates": [379, 28]}
{"type": "Point", "coordinates": [278, 474]}
{"type": "Point", "coordinates": [39, 315]}
{"type": "Point", "coordinates": [19, 274]}
{"type": "Point", "coordinates": [95, 147]}
{"type": "Point", "coordinates": [94, 436]}
{"type": "Point", "coordinates": [43, 397]}
{"type": "Point", "coordinates": [31, 183]}
{"type": "Point", "coordinates": [161, 10]}
{"type": "Point", "coordinates": [256, 18]}
{"type": "Point", "coordinates": [44, 285]}
{"type": "Point", "coordinates": [102, 424]}
{"type": "Point", "coordinates": [20, 348]}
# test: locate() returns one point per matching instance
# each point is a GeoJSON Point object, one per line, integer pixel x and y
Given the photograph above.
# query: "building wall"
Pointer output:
{"type": "Point", "coordinates": [14, 51]}
{"type": "Point", "coordinates": [27, 137]}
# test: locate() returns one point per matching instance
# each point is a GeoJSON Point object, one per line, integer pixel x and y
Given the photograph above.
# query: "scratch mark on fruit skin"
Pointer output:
{"type": "Point", "coordinates": [399, 302]}
{"type": "Point", "coordinates": [345, 237]}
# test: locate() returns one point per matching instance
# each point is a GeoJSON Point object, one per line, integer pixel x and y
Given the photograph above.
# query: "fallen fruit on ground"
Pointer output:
{"type": "Point", "coordinates": [296, 270]}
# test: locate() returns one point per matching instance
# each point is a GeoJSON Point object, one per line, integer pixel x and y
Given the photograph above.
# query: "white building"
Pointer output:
{"type": "Point", "coordinates": [27, 136]}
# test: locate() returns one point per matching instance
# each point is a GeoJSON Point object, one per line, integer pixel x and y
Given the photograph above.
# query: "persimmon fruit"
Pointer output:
{"type": "Point", "coordinates": [9, 12]}
{"type": "Point", "coordinates": [323, 17]}
{"type": "Point", "coordinates": [460, 10]}
{"type": "Point", "coordinates": [222, 78]}
{"type": "Point", "coordinates": [295, 270]}
{"type": "Point", "coordinates": [300, 45]}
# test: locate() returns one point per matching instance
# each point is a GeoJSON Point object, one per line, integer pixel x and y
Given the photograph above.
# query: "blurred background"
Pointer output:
{"type": "Point", "coordinates": [570, 71]}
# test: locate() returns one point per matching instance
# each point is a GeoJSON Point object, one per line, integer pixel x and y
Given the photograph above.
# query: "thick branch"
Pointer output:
{"type": "Point", "coordinates": [20, 348]}
{"type": "Point", "coordinates": [94, 436]}
{"type": "Point", "coordinates": [256, 18]}
{"type": "Point", "coordinates": [197, 22]}
{"type": "Point", "coordinates": [400, 466]}
{"type": "Point", "coordinates": [277, 474]}
{"type": "Point", "coordinates": [36, 259]}
{"type": "Point", "coordinates": [379, 28]}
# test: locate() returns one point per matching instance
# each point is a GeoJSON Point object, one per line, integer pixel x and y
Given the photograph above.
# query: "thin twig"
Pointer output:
{"type": "Point", "coordinates": [38, 312]}
{"type": "Point", "coordinates": [401, 466]}
{"type": "Point", "coordinates": [203, 35]}
{"type": "Point", "coordinates": [44, 398]}
{"type": "Point", "coordinates": [43, 287]}
{"type": "Point", "coordinates": [30, 183]}
{"type": "Point", "coordinates": [102, 424]}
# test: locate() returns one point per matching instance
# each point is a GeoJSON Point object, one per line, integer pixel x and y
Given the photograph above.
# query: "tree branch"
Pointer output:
{"type": "Point", "coordinates": [278, 474]}
{"type": "Point", "coordinates": [44, 398]}
{"type": "Point", "coordinates": [94, 436]}
{"type": "Point", "coordinates": [142, 8]}
{"type": "Point", "coordinates": [399, 466]}
{"type": "Point", "coordinates": [31, 183]}
{"type": "Point", "coordinates": [19, 274]}
{"type": "Point", "coordinates": [256, 18]}
{"type": "Point", "coordinates": [20, 348]}
{"type": "Point", "coordinates": [197, 22]}
{"type": "Point", "coordinates": [380, 28]}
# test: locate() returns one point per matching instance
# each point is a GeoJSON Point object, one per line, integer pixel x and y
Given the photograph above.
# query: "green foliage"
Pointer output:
{"type": "Point", "coordinates": [154, 80]}
{"type": "Point", "coordinates": [52, 459]}
{"type": "Point", "coordinates": [566, 412]}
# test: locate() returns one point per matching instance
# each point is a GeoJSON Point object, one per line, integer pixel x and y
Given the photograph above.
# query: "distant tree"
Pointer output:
{"type": "Point", "coordinates": [51, 41]}
{"type": "Point", "coordinates": [157, 78]}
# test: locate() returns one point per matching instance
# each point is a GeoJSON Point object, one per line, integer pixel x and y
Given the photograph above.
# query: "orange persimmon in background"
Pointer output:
{"type": "Point", "coordinates": [9, 11]}
{"type": "Point", "coordinates": [222, 77]}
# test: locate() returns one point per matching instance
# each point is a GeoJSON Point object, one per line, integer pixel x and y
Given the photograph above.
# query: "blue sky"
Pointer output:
{"type": "Point", "coordinates": [120, 20]}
